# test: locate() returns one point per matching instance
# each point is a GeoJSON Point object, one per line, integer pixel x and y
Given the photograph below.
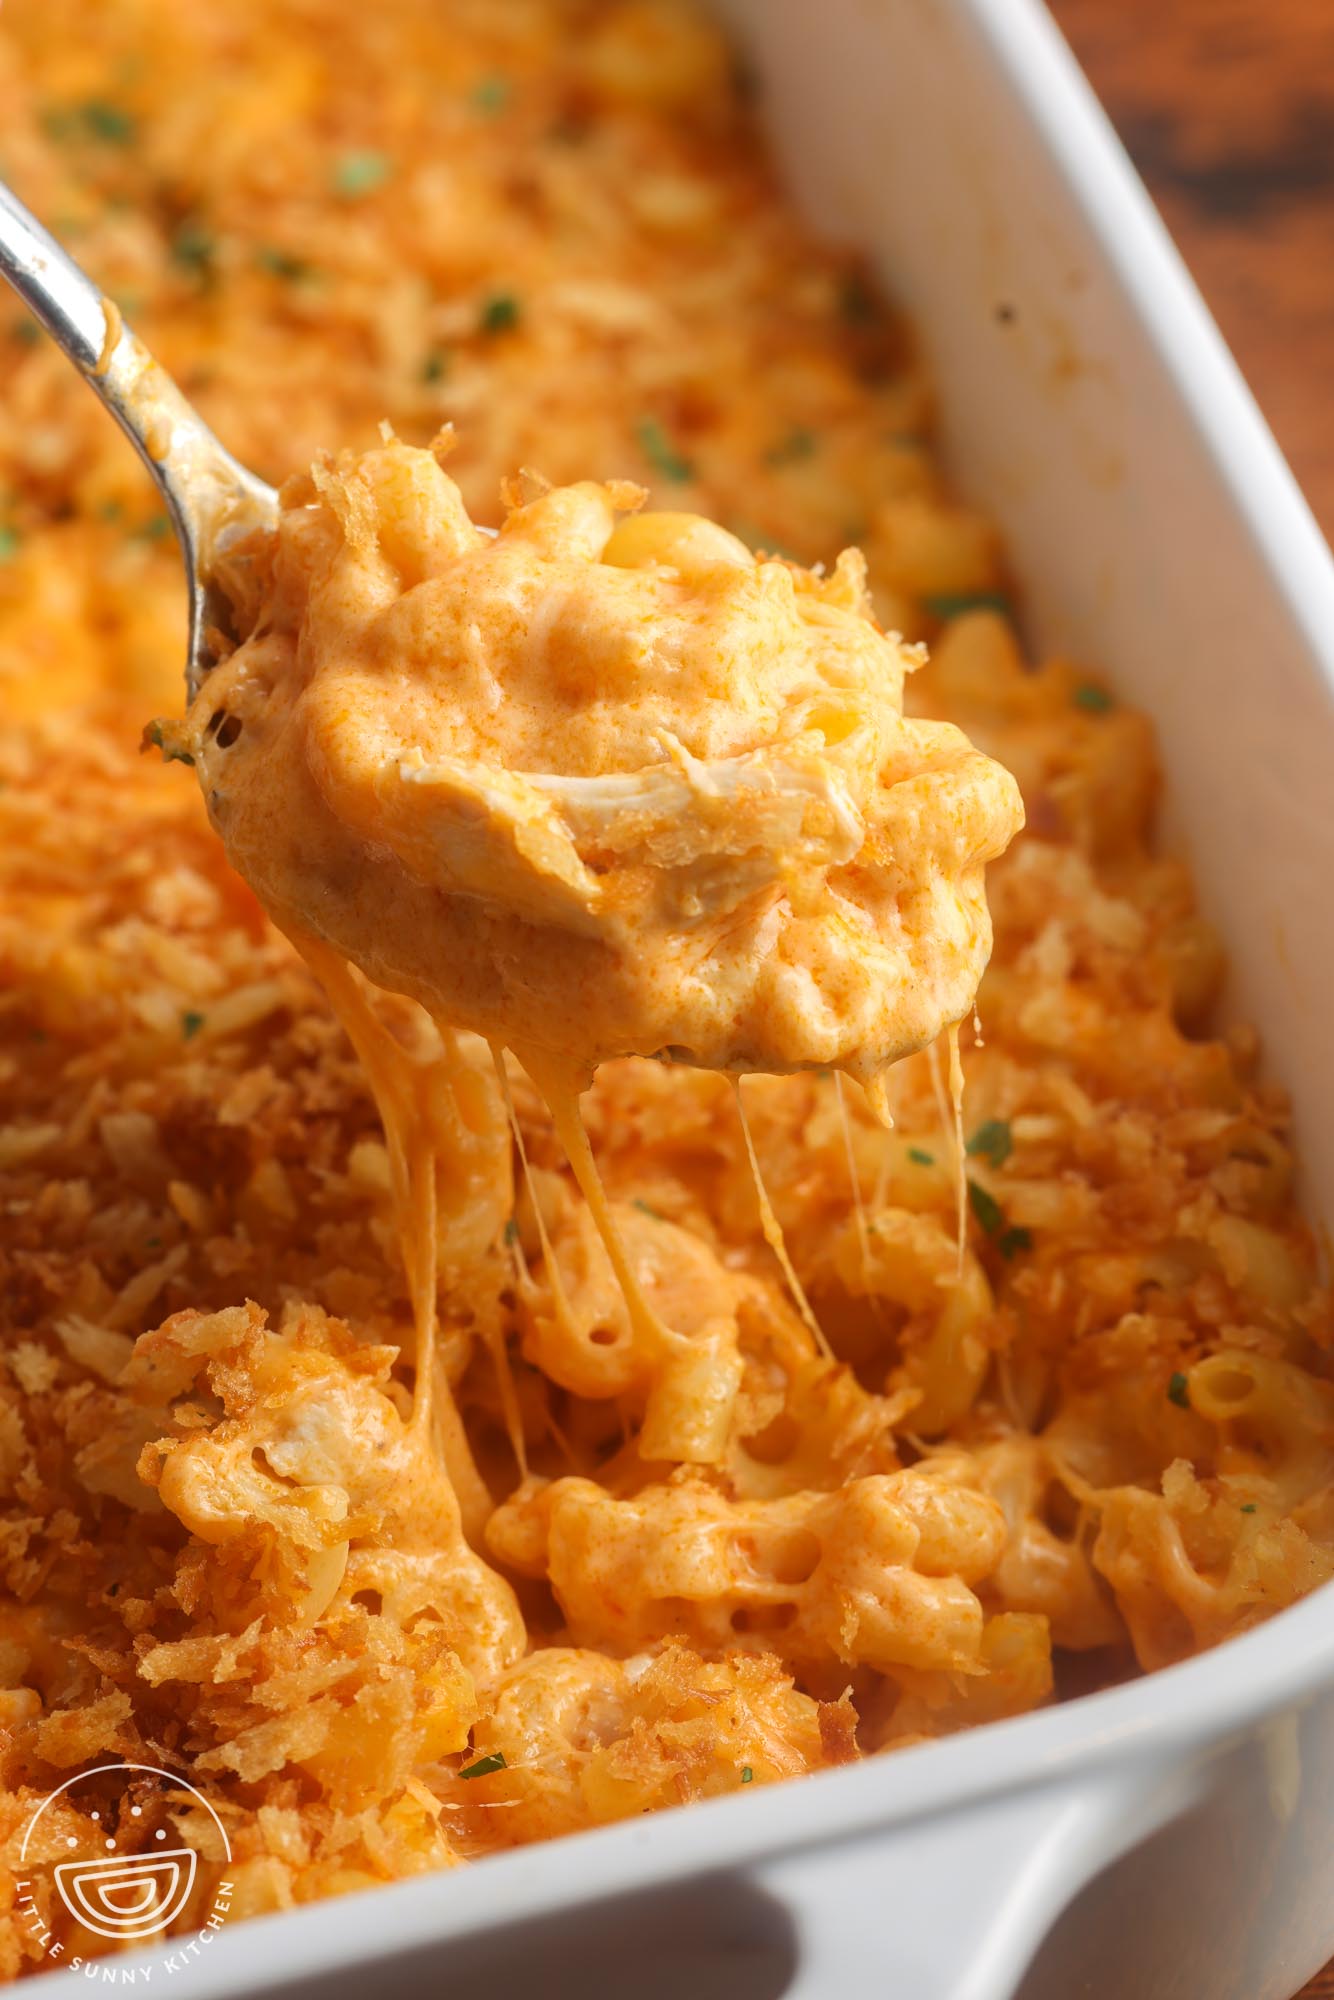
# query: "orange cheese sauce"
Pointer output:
{"type": "Point", "coordinates": [598, 788]}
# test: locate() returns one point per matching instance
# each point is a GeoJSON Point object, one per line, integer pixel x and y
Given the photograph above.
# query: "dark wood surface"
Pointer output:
{"type": "Point", "coordinates": [1227, 108]}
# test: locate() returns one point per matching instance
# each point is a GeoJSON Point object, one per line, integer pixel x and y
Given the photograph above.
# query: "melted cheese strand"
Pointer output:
{"type": "Point", "coordinates": [773, 1230]}
{"type": "Point", "coordinates": [886, 1167]}
{"type": "Point", "coordinates": [950, 1115]}
{"type": "Point", "coordinates": [858, 1206]}
{"type": "Point", "coordinates": [560, 1298]}
{"type": "Point", "coordinates": [960, 1176]}
{"type": "Point", "coordinates": [413, 1151]}
{"type": "Point", "coordinates": [562, 1099]}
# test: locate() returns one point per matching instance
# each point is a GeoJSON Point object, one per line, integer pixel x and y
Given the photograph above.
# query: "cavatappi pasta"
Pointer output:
{"type": "Point", "coordinates": [599, 1580]}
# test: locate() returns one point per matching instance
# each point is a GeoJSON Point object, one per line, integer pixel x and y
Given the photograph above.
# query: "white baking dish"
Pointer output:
{"type": "Point", "coordinates": [1159, 533]}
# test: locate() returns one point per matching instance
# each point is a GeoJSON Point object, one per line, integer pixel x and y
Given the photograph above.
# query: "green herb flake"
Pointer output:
{"type": "Point", "coordinates": [947, 604]}
{"type": "Point", "coordinates": [360, 173]}
{"type": "Point", "coordinates": [922, 1157]}
{"type": "Point", "coordinates": [646, 1208]}
{"type": "Point", "coordinates": [485, 1766]}
{"type": "Point", "coordinates": [511, 1231]}
{"type": "Point", "coordinates": [986, 1208]}
{"type": "Point", "coordinates": [1249, 1507]}
{"type": "Point", "coordinates": [1178, 1391]}
{"type": "Point", "coordinates": [281, 263]}
{"type": "Point", "coordinates": [9, 541]}
{"type": "Point", "coordinates": [491, 95]}
{"type": "Point", "coordinates": [658, 450]}
{"type": "Point", "coordinates": [152, 1243]}
{"type": "Point", "coordinates": [1014, 1239]}
{"type": "Point", "coordinates": [26, 332]}
{"type": "Point", "coordinates": [747, 1775]}
{"type": "Point", "coordinates": [191, 1023]}
{"type": "Point", "coordinates": [97, 118]}
{"type": "Point", "coordinates": [193, 247]}
{"type": "Point", "coordinates": [1095, 700]}
{"type": "Point", "coordinates": [108, 122]}
{"type": "Point", "coordinates": [499, 313]}
{"type": "Point", "coordinates": [800, 443]}
{"type": "Point", "coordinates": [155, 530]}
{"type": "Point", "coordinates": [436, 366]}
{"type": "Point", "coordinates": [992, 1142]}
{"type": "Point", "coordinates": [111, 510]}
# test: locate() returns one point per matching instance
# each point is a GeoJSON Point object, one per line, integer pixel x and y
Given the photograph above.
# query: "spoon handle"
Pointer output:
{"type": "Point", "coordinates": [206, 492]}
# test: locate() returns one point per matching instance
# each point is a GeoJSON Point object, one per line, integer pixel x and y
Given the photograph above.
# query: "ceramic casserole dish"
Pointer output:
{"type": "Point", "coordinates": [1174, 1836]}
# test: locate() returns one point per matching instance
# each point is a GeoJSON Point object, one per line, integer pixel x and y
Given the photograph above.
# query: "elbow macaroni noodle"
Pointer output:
{"type": "Point", "coordinates": [353, 1461]}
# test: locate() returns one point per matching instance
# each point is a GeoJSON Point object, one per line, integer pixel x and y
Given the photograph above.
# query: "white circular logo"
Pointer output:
{"type": "Point", "coordinates": [131, 1897]}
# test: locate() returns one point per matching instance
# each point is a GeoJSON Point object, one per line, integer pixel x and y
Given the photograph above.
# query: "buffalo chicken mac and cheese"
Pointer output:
{"type": "Point", "coordinates": [433, 1428]}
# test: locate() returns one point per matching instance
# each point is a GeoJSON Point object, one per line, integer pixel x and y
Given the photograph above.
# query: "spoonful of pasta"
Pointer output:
{"type": "Point", "coordinates": [603, 783]}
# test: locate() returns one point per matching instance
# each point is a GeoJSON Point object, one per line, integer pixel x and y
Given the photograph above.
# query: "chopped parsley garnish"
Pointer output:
{"type": "Point", "coordinates": [992, 1141]}
{"type": "Point", "coordinates": [747, 1774]}
{"type": "Point", "coordinates": [485, 1766]}
{"type": "Point", "coordinates": [491, 95]}
{"type": "Point", "coordinates": [855, 302]}
{"type": "Point", "coordinates": [798, 444]}
{"type": "Point", "coordinates": [1178, 1391]}
{"type": "Point", "coordinates": [646, 1208]}
{"type": "Point", "coordinates": [170, 754]}
{"type": "Point", "coordinates": [156, 529]}
{"type": "Point", "coordinates": [511, 1231]}
{"type": "Point", "coordinates": [986, 1208]}
{"type": "Point", "coordinates": [954, 603]}
{"type": "Point", "coordinates": [499, 314]}
{"type": "Point", "coordinates": [1095, 699]}
{"type": "Point", "coordinates": [193, 247]}
{"type": "Point", "coordinates": [658, 450]}
{"type": "Point", "coordinates": [1007, 1237]}
{"type": "Point", "coordinates": [191, 1023]}
{"type": "Point", "coordinates": [922, 1157]}
{"type": "Point", "coordinates": [9, 541]}
{"type": "Point", "coordinates": [108, 122]}
{"type": "Point", "coordinates": [1248, 1507]}
{"type": "Point", "coordinates": [110, 510]}
{"type": "Point", "coordinates": [281, 263]}
{"type": "Point", "coordinates": [26, 332]}
{"type": "Point", "coordinates": [436, 366]}
{"type": "Point", "coordinates": [361, 173]}
{"type": "Point", "coordinates": [152, 1243]}
{"type": "Point", "coordinates": [97, 118]}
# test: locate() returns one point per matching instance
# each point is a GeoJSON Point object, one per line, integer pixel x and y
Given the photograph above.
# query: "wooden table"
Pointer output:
{"type": "Point", "coordinates": [1227, 108]}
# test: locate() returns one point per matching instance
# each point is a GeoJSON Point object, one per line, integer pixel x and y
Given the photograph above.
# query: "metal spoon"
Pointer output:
{"type": "Point", "coordinates": [211, 500]}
